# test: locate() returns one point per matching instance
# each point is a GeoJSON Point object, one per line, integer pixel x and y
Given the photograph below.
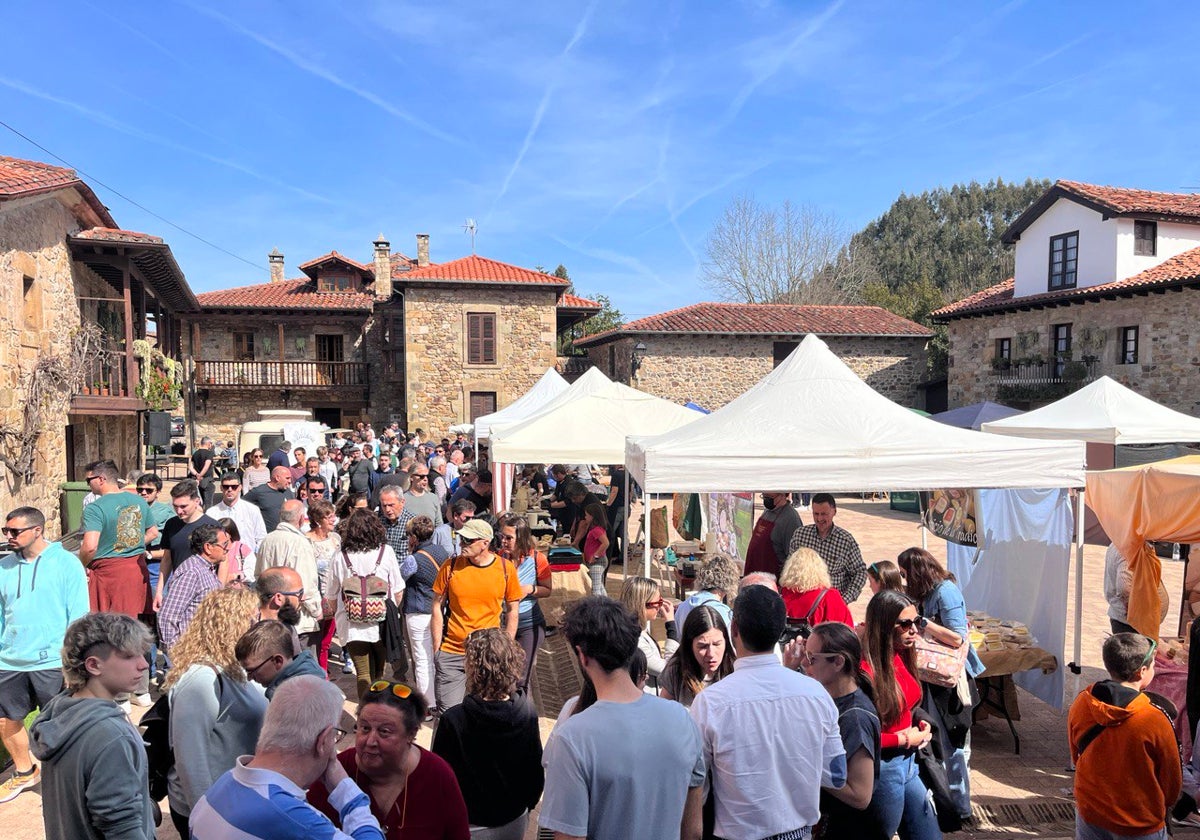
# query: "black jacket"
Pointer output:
{"type": "Point", "coordinates": [495, 749]}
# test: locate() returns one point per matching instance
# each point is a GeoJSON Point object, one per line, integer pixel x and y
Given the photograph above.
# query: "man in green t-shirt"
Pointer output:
{"type": "Point", "coordinates": [116, 529]}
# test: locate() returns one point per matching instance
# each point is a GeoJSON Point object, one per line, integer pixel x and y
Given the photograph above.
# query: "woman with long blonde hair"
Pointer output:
{"type": "Point", "coordinates": [643, 598]}
{"type": "Point", "coordinates": [206, 684]}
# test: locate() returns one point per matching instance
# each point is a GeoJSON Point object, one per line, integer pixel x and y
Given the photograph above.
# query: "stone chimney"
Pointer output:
{"type": "Point", "coordinates": [383, 268]}
{"type": "Point", "coordinates": [276, 262]}
{"type": "Point", "coordinates": [422, 249]}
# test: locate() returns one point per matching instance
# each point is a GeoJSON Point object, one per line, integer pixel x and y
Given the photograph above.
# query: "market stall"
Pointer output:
{"type": "Point", "coordinates": [817, 425]}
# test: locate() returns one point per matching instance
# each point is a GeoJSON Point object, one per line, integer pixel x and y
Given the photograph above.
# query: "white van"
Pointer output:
{"type": "Point", "coordinates": [276, 425]}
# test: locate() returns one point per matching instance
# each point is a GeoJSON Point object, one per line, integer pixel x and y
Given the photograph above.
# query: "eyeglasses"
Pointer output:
{"type": "Point", "coordinates": [908, 623]}
{"type": "Point", "coordinates": [415, 476]}
{"type": "Point", "coordinates": [224, 546]}
{"type": "Point", "coordinates": [653, 605]}
{"type": "Point", "coordinates": [13, 532]}
{"type": "Point", "coordinates": [828, 657]}
{"type": "Point", "coordinates": [231, 487]}
{"type": "Point", "coordinates": [1150, 653]}
{"type": "Point", "coordinates": [398, 689]}
{"type": "Point", "coordinates": [299, 593]}
{"type": "Point", "coordinates": [89, 479]}
{"type": "Point", "coordinates": [339, 733]}
{"type": "Point", "coordinates": [147, 491]}
{"type": "Point", "coordinates": [250, 671]}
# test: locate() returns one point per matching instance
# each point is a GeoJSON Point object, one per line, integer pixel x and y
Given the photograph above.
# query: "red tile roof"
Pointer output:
{"type": "Point", "coordinates": [299, 294]}
{"type": "Point", "coordinates": [1178, 270]}
{"type": "Point", "coordinates": [1110, 201]}
{"type": "Point", "coordinates": [476, 269]}
{"type": "Point", "coordinates": [570, 301]}
{"type": "Point", "coordinates": [30, 177]}
{"type": "Point", "coordinates": [310, 267]}
{"type": "Point", "coordinates": [768, 319]}
{"type": "Point", "coordinates": [101, 234]}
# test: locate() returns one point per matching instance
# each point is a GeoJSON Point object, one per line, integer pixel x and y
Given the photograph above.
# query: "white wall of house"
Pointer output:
{"type": "Point", "coordinates": [1173, 239]}
{"type": "Point", "coordinates": [1097, 248]}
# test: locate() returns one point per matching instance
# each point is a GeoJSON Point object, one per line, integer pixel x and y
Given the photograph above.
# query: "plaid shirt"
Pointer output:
{"type": "Point", "coordinates": [397, 538]}
{"type": "Point", "coordinates": [186, 587]}
{"type": "Point", "coordinates": [847, 572]}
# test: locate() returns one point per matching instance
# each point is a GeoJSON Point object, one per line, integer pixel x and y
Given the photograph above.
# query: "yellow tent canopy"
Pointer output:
{"type": "Point", "coordinates": [1157, 502]}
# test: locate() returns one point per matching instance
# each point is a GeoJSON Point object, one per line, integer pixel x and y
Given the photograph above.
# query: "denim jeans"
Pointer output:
{"type": "Point", "coordinates": [901, 801]}
{"type": "Point", "coordinates": [1083, 831]}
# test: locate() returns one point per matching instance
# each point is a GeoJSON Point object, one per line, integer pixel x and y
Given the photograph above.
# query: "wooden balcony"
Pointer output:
{"type": "Point", "coordinates": [235, 374]}
{"type": "Point", "coordinates": [107, 386]}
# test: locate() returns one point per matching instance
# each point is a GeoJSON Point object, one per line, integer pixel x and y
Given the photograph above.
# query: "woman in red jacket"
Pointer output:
{"type": "Point", "coordinates": [807, 592]}
{"type": "Point", "coordinates": [900, 800]}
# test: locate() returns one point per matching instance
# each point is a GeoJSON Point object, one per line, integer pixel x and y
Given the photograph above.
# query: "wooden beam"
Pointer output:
{"type": "Point", "coordinates": [131, 366]}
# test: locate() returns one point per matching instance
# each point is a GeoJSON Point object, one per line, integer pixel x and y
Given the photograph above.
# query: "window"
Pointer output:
{"type": "Point", "coordinates": [1004, 349]}
{"type": "Point", "coordinates": [333, 283]}
{"type": "Point", "coordinates": [1060, 347]}
{"type": "Point", "coordinates": [395, 340]}
{"type": "Point", "coordinates": [482, 402]}
{"type": "Point", "coordinates": [243, 346]}
{"type": "Point", "coordinates": [1145, 238]}
{"type": "Point", "coordinates": [1127, 351]}
{"type": "Point", "coordinates": [1064, 260]}
{"type": "Point", "coordinates": [481, 338]}
{"type": "Point", "coordinates": [783, 349]}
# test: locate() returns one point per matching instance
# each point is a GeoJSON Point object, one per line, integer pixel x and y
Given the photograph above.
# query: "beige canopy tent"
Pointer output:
{"type": "Point", "coordinates": [1147, 503]}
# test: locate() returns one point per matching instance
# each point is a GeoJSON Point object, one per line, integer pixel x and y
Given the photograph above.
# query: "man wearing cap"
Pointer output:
{"type": "Point", "coordinates": [772, 534]}
{"type": "Point", "coordinates": [475, 585]}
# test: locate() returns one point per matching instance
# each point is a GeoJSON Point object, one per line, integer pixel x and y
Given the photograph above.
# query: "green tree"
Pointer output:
{"type": "Point", "coordinates": [608, 318]}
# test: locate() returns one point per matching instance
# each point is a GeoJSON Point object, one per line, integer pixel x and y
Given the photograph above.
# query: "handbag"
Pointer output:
{"type": "Point", "coordinates": [940, 664]}
{"type": "Point", "coordinates": [365, 596]}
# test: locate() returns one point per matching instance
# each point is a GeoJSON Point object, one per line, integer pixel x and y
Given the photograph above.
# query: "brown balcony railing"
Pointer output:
{"type": "Point", "coordinates": [281, 374]}
{"type": "Point", "coordinates": [105, 374]}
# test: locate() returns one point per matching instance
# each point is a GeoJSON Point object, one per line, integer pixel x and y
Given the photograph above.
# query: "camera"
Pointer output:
{"type": "Point", "coordinates": [795, 628]}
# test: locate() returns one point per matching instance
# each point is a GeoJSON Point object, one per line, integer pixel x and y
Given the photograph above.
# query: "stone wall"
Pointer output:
{"type": "Point", "coordinates": [714, 370]}
{"type": "Point", "coordinates": [1168, 354]}
{"type": "Point", "coordinates": [439, 379]}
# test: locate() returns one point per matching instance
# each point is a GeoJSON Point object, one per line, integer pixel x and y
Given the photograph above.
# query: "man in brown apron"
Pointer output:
{"type": "Point", "coordinates": [772, 533]}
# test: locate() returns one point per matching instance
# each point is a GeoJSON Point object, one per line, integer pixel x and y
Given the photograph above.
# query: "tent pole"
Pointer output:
{"type": "Point", "coordinates": [625, 524]}
{"type": "Point", "coordinates": [1078, 586]}
{"type": "Point", "coordinates": [646, 531]}
{"type": "Point", "coordinates": [924, 536]}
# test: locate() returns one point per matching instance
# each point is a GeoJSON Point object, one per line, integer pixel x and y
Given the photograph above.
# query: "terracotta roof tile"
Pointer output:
{"type": "Point", "coordinates": [1125, 200]}
{"type": "Point", "coordinates": [476, 269]}
{"type": "Point", "coordinates": [309, 267]}
{"type": "Point", "coordinates": [101, 234]}
{"type": "Point", "coordinates": [570, 301]}
{"type": "Point", "coordinates": [769, 319]}
{"type": "Point", "coordinates": [1178, 269]}
{"type": "Point", "coordinates": [286, 294]}
{"type": "Point", "coordinates": [22, 176]}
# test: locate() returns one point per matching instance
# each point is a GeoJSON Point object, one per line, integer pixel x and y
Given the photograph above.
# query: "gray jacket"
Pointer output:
{"type": "Point", "coordinates": [94, 775]}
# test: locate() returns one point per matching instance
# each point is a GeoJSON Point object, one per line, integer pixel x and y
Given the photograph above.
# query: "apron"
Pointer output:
{"type": "Point", "coordinates": [760, 554]}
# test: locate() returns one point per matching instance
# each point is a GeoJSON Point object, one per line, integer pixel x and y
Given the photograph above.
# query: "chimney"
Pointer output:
{"type": "Point", "coordinates": [422, 249]}
{"type": "Point", "coordinates": [383, 268]}
{"type": "Point", "coordinates": [276, 261]}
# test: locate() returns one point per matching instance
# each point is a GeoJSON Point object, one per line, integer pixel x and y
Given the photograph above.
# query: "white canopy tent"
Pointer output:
{"type": "Point", "coordinates": [589, 426]}
{"type": "Point", "coordinates": [545, 389]}
{"type": "Point", "coordinates": [1103, 412]}
{"type": "Point", "coordinates": [813, 423]}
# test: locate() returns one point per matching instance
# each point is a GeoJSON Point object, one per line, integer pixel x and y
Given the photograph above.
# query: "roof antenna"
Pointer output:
{"type": "Point", "coordinates": [470, 228]}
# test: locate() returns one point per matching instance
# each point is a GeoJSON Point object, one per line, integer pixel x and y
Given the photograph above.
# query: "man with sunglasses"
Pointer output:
{"type": "Point", "coordinates": [117, 527]}
{"type": "Point", "coordinates": [252, 530]}
{"type": "Point", "coordinates": [1127, 769]}
{"type": "Point", "coordinates": [419, 500]}
{"type": "Point", "coordinates": [42, 590]}
{"type": "Point", "coordinates": [192, 580]}
{"type": "Point", "coordinates": [446, 535]}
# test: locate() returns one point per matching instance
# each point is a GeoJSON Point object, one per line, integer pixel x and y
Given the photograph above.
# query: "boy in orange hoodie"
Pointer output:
{"type": "Point", "coordinates": [1128, 772]}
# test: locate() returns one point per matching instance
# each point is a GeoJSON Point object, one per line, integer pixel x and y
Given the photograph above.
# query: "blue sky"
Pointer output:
{"type": "Point", "coordinates": [607, 136]}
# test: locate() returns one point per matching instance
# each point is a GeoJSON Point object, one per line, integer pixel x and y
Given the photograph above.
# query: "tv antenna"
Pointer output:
{"type": "Point", "coordinates": [471, 228]}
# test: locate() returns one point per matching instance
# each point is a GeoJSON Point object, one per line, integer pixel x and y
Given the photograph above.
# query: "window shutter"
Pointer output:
{"type": "Point", "coordinates": [488, 343]}
{"type": "Point", "coordinates": [481, 338]}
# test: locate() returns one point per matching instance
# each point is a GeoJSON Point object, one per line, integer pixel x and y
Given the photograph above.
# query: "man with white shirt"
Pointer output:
{"type": "Point", "coordinates": [248, 518]}
{"type": "Point", "coordinates": [771, 737]}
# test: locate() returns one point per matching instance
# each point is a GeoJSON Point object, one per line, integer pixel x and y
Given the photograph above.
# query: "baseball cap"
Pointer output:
{"type": "Point", "coordinates": [475, 529]}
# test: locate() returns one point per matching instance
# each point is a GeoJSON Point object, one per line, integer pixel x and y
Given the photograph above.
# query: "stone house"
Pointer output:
{"type": "Point", "coordinates": [426, 344]}
{"type": "Point", "coordinates": [1107, 282]}
{"type": "Point", "coordinates": [79, 299]}
{"type": "Point", "coordinates": [711, 353]}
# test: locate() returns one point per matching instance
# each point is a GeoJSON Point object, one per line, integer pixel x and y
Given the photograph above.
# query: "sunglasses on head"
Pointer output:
{"type": "Point", "coordinates": [398, 689]}
{"type": "Point", "coordinates": [1149, 657]}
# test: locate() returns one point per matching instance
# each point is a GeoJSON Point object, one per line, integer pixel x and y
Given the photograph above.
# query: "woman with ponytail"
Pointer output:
{"type": "Point", "coordinates": [832, 656]}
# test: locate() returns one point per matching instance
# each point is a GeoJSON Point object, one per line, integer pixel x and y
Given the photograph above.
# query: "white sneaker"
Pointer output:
{"type": "Point", "coordinates": [141, 700]}
{"type": "Point", "coordinates": [348, 668]}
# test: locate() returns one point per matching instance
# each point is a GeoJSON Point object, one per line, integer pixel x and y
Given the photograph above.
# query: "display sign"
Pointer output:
{"type": "Point", "coordinates": [731, 518]}
{"type": "Point", "coordinates": [952, 515]}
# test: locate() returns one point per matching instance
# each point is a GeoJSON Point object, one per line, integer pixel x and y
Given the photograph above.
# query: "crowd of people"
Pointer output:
{"type": "Point", "coordinates": [753, 708]}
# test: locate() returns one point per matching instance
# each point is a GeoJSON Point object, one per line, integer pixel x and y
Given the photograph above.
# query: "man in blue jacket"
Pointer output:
{"type": "Point", "coordinates": [43, 589]}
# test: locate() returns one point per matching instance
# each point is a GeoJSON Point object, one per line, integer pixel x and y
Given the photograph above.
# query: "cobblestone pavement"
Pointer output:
{"type": "Point", "coordinates": [1015, 796]}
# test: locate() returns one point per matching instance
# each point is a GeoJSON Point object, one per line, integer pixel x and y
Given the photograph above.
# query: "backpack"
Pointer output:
{"type": "Point", "coordinates": [156, 736]}
{"type": "Point", "coordinates": [365, 596]}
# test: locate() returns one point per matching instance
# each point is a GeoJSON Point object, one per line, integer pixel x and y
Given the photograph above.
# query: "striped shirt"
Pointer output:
{"type": "Point", "coordinates": [248, 803]}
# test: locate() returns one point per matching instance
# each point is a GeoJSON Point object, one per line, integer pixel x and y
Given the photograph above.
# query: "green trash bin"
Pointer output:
{"type": "Point", "coordinates": [72, 504]}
